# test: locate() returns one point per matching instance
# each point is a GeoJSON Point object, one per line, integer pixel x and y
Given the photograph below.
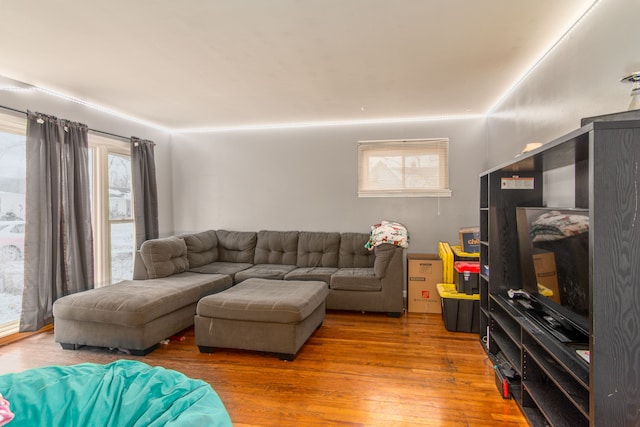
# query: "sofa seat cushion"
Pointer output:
{"type": "Point", "coordinates": [311, 273]}
{"type": "Point", "coordinates": [134, 303]}
{"type": "Point", "coordinates": [355, 279]}
{"type": "Point", "coordinates": [221, 267]}
{"type": "Point", "coordinates": [264, 271]}
{"type": "Point", "coordinates": [264, 300]}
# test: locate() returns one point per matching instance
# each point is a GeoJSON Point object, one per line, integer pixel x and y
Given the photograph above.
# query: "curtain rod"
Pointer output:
{"type": "Point", "coordinates": [90, 130]}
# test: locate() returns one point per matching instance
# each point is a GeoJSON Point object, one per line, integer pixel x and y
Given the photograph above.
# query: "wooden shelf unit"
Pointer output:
{"type": "Point", "coordinates": [556, 386]}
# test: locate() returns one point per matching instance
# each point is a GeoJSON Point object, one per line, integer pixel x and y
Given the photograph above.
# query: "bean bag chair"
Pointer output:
{"type": "Point", "coordinates": [122, 393]}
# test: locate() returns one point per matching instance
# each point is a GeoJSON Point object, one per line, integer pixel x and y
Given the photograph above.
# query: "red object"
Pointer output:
{"type": "Point", "coordinates": [467, 266]}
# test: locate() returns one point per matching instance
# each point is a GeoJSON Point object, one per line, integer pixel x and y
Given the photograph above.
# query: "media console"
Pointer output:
{"type": "Point", "coordinates": [564, 377]}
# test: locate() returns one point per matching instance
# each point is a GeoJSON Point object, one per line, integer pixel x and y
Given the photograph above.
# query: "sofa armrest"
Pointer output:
{"type": "Point", "coordinates": [139, 270]}
{"type": "Point", "coordinates": [392, 277]}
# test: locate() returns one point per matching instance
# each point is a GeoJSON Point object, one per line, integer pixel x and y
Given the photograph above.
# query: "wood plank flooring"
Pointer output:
{"type": "Point", "coordinates": [358, 369]}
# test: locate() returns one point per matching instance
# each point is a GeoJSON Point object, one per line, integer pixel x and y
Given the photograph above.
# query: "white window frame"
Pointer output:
{"type": "Point", "coordinates": [367, 187]}
{"type": "Point", "coordinates": [16, 125]}
{"type": "Point", "coordinates": [102, 147]}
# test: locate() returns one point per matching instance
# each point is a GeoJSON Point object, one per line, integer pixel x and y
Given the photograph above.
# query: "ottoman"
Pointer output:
{"type": "Point", "coordinates": [273, 316]}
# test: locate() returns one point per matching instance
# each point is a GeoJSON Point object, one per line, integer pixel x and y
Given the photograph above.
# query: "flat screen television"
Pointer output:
{"type": "Point", "coordinates": [556, 239]}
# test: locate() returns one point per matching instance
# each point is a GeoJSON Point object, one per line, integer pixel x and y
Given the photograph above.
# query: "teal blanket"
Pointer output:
{"type": "Point", "coordinates": [122, 393]}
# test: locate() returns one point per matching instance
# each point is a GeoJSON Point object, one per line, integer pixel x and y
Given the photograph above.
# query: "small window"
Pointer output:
{"type": "Point", "coordinates": [409, 168]}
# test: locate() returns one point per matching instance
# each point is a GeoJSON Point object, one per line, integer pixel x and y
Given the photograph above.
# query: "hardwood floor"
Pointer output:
{"type": "Point", "coordinates": [357, 369]}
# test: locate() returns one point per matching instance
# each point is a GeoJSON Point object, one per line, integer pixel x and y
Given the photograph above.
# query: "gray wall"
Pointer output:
{"type": "Point", "coordinates": [306, 179]}
{"type": "Point", "coordinates": [65, 109]}
{"type": "Point", "coordinates": [580, 78]}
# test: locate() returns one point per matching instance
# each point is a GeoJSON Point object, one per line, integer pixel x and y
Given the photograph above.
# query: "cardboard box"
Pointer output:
{"type": "Point", "coordinates": [470, 239]}
{"type": "Point", "coordinates": [424, 272]}
{"type": "Point", "coordinates": [546, 275]}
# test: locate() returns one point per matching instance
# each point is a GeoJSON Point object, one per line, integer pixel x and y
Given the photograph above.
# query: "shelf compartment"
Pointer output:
{"type": "Point", "coordinates": [484, 191]}
{"type": "Point", "coordinates": [553, 404]}
{"type": "Point", "coordinates": [575, 392]}
{"type": "Point", "coordinates": [510, 350]}
{"type": "Point", "coordinates": [484, 311]}
{"type": "Point", "coordinates": [508, 306]}
{"type": "Point", "coordinates": [563, 354]}
{"type": "Point", "coordinates": [508, 325]}
{"type": "Point", "coordinates": [484, 224]}
{"type": "Point", "coordinates": [534, 416]}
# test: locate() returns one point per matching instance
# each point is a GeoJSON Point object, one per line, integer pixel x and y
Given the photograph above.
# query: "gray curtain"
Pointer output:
{"type": "Point", "coordinates": [145, 192]}
{"type": "Point", "coordinates": [58, 237]}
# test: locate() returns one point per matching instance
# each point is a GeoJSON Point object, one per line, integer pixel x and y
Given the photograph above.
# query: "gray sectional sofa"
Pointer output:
{"type": "Point", "coordinates": [358, 279]}
{"type": "Point", "coordinates": [172, 274]}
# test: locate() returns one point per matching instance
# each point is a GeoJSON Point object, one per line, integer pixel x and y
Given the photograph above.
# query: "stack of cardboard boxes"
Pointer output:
{"type": "Point", "coordinates": [430, 292]}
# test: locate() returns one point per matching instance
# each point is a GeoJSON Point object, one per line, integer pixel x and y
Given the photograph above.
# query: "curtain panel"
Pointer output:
{"type": "Point", "coordinates": [145, 192]}
{"type": "Point", "coordinates": [58, 236]}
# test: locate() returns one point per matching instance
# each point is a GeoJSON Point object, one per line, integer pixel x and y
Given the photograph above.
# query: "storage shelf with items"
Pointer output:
{"type": "Point", "coordinates": [567, 368]}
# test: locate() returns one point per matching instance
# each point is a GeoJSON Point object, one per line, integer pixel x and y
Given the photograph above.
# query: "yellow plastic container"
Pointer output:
{"type": "Point", "coordinates": [445, 253]}
{"type": "Point", "coordinates": [460, 255]}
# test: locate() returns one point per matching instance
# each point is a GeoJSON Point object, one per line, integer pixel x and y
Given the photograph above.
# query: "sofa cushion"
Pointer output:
{"type": "Point", "coordinates": [311, 273]}
{"type": "Point", "coordinates": [164, 257]}
{"type": "Point", "coordinates": [318, 249]}
{"type": "Point", "coordinates": [236, 246]}
{"type": "Point", "coordinates": [218, 267]}
{"type": "Point", "coordinates": [261, 300]}
{"type": "Point", "coordinates": [276, 247]}
{"type": "Point", "coordinates": [264, 271]}
{"type": "Point", "coordinates": [355, 279]}
{"type": "Point", "coordinates": [353, 253]}
{"type": "Point", "coordinates": [202, 248]}
{"type": "Point", "coordinates": [134, 303]}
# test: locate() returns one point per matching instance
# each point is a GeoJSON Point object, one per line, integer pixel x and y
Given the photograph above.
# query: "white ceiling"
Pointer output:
{"type": "Point", "coordinates": [213, 63]}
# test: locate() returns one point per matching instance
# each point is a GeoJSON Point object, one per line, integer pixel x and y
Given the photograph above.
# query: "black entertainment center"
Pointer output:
{"type": "Point", "coordinates": [568, 350]}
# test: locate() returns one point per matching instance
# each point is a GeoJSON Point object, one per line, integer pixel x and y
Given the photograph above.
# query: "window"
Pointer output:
{"type": "Point", "coordinates": [12, 211]}
{"type": "Point", "coordinates": [409, 168]}
{"type": "Point", "coordinates": [112, 209]}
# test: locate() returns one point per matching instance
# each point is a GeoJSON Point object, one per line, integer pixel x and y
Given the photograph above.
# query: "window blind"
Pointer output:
{"type": "Point", "coordinates": [404, 168]}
